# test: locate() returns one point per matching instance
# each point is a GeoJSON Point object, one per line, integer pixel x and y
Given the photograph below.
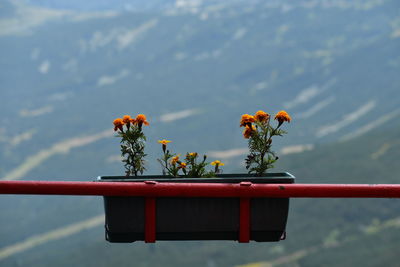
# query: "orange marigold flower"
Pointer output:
{"type": "Point", "coordinates": [164, 142]}
{"type": "Point", "coordinates": [118, 123]}
{"type": "Point", "coordinates": [246, 120]}
{"type": "Point", "coordinates": [127, 120]}
{"type": "Point", "coordinates": [141, 119]}
{"type": "Point", "coordinates": [182, 165]}
{"type": "Point", "coordinates": [193, 154]}
{"type": "Point", "coordinates": [248, 131]}
{"type": "Point", "coordinates": [217, 163]}
{"type": "Point", "coordinates": [282, 116]}
{"type": "Point", "coordinates": [174, 160]}
{"type": "Point", "coordinates": [261, 116]}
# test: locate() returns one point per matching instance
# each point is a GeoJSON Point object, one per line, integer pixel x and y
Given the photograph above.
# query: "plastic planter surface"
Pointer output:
{"type": "Point", "coordinates": [196, 218]}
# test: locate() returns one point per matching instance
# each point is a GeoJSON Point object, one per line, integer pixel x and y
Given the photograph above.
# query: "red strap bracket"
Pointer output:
{"type": "Point", "coordinates": [244, 220]}
{"type": "Point", "coordinates": [150, 220]}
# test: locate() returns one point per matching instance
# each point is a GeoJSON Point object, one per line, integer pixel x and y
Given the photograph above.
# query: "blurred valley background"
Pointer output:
{"type": "Point", "coordinates": [68, 68]}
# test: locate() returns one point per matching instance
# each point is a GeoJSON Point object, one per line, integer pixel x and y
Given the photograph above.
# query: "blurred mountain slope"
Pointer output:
{"type": "Point", "coordinates": [193, 70]}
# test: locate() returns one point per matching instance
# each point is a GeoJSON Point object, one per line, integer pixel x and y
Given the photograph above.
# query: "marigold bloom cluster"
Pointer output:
{"type": "Point", "coordinates": [247, 120]}
{"type": "Point", "coordinates": [128, 120]}
{"type": "Point", "coordinates": [261, 117]}
{"type": "Point", "coordinates": [259, 130]}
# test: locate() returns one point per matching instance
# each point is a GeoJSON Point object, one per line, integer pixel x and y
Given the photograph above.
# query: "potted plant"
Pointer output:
{"type": "Point", "coordinates": [197, 218]}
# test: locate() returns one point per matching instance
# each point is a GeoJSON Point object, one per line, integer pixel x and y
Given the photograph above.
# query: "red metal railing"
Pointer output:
{"type": "Point", "coordinates": [243, 189]}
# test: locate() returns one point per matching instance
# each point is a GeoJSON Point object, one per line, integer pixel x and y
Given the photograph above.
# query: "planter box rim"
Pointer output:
{"type": "Point", "coordinates": [280, 177]}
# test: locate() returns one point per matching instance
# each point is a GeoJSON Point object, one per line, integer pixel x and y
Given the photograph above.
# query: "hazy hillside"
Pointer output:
{"type": "Point", "coordinates": [68, 74]}
{"type": "Point", "coordinates": [193, 67]}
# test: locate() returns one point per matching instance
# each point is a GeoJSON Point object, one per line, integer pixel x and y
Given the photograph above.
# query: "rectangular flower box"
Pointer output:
{"type": "Point", "coordinates": [196, 218]}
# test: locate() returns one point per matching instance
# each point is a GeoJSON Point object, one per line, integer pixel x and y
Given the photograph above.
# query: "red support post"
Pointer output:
{"type": "Point", "coordinates": [244, 220]}
{"type": "Point", "coordinates": [150, 220]}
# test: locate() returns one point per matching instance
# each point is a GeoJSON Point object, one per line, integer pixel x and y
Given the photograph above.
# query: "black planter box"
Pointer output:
{"type": "Point", "coordinates": [196, 218]}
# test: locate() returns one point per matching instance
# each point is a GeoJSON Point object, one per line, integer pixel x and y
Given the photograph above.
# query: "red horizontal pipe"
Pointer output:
{"type": "Point", "coordinates": [245, 189]}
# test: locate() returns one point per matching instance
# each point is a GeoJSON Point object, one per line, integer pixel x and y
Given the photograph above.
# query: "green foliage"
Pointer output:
{"type": "Point", "coordinates": [132, 149]}
{"type": "Point", "coordinates": [169, 163]}
{"type": "Point", "coordinates": [190, 167]}
{"type": "Point", "coordinates": [196, 168]}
